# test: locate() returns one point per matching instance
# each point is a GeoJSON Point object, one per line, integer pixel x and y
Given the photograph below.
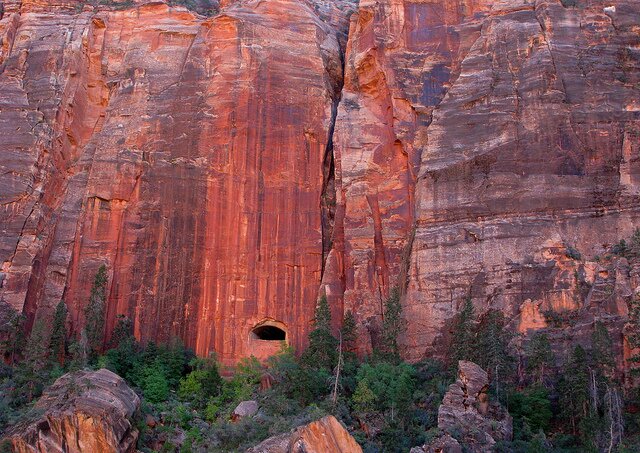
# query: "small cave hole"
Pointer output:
{"type": "Point", "coordinates": [269, 333]}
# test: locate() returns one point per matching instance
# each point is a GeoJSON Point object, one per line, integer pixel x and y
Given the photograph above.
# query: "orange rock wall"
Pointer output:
{"type": "Point", "coordinates": [228, 169]}
{"type": "Point", "coordinates": [185, 154]}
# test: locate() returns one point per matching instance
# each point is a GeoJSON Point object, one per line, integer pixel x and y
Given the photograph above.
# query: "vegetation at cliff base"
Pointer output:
{"type": "Point", "coordinates": [560, 400]}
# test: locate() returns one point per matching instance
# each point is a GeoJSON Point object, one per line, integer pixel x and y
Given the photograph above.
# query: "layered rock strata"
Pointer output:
{"type": "Point", "coordinates": [227, 172]}
{"type": "Point", "coordinates": [478, 143]}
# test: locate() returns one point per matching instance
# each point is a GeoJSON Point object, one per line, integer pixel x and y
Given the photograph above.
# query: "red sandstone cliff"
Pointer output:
{"type": "Point", "coordinates": [226, 172]}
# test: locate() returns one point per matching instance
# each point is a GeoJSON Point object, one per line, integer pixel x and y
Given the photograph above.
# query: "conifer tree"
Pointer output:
{"type": "Point", "coordinates": [462, 334]}
{"type": "Point", "coordinates": [602, 350]}
{"type": "Point", "coordinates": [95, 313]}
{"type": "Point", "coordinates": [58, 344]}
{"type": "Point", "coordinates": [492, 353]}
{"type": "Point", "coordinates": [540, 357]}
{"type": "Point", "coordinates": [633, 336]}
{"type": "Point", "coordinates": [348, 331]}
{"type": "Point", "coordinates": [13, 333]}
{"type": "Point", "coordinates": [393, 326]}
{"type": "Point", "coordinates": [574, 389]}
{"type": "Point", "coordinates": [122, 332]}
{"type": "Point", "coordinates": [31, 374]}
{"type": "Point", "coordinates": [322, 350]}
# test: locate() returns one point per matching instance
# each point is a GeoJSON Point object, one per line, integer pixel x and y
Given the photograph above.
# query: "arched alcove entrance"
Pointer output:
{"type": "Point", "coordinates": [269, 333]}
{"type": "Point", "coordinates": [266, 337]}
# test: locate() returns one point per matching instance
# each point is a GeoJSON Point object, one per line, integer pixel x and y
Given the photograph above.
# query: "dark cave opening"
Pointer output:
{"type": "Point", "coordinates": [269, 333]}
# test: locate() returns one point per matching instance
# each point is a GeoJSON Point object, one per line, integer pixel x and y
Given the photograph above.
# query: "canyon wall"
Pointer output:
{"type": "Point", "coordinates": [229, 169]}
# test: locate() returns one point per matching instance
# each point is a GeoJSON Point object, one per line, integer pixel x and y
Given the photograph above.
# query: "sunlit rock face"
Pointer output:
{"type": "Point", "coordinates": [187, 154]}
{"type": "Point", "coordinates": [81, 411]}
{"type": "Point", "coordinates": [229, 168]}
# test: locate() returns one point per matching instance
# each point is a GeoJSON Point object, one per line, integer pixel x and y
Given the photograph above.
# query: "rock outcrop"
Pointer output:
{"type": "Point", "coordinates": [83, 411]}
{"type": "Point", "coordinates": [231, 162]}
{"type": "Point", "coordinates": [322, 436]}
{"type": "Point", "coordinates": [467, 413]}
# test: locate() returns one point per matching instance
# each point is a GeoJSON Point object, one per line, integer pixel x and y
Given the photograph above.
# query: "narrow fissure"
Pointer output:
{"type": "Point", "coordinates": [328, 199]}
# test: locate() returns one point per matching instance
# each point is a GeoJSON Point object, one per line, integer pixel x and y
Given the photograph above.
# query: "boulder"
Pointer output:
{"type": "Point", "coordinates": [83, 411]}
{"type": "Point", "coordinates": [245, 409]}
{"type": "Point", "coordinates": [326, 435]}
{"type": "Point", "coordinates": [442, 444]}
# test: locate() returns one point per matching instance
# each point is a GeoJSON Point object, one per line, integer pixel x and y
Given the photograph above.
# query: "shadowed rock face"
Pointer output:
{"type": "Point", "coordinates": [476, 142]}
{"type": "Point", "coordinates": [82, 411]}
{"type": "Point", "coordinates": [226, 172]}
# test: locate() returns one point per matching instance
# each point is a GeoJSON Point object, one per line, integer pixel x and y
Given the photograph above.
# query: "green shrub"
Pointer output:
{"type": "Point", "coordinates": [154, 384]}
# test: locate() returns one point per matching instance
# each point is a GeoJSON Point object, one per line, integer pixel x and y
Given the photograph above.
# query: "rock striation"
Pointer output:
{"type": "Point", "coordinates": [231, 162]}
{"type": "Point", "coordinates": [82, 411]}
{"type": "Point", "coordinates": [186, 153]}
{"type": "Point", "coordinates": [476, 142]}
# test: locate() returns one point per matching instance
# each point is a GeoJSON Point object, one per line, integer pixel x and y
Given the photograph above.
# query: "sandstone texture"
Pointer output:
{"type": "Point", "coordinates": [326, 435]}
{"type": "Point", "coordinates": [443, 444]}
{"type": "Point", "coordinates": [186, 153]}
{"type": "Point", "coordinates": [231, 162]}
{"type": "Point", "coordinates": [467, 411]}
{"type": "Point", "coordinates": [83, 411]}
{"type": "Point", "coordinates": [476, 141]}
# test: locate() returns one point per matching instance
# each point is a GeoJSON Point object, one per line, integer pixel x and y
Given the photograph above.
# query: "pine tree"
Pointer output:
{"type": "Point", "coordinates": [322, 349]}
{"type": "Point", "coordinates": [574, 389]}
{"type": "Point", "coordinates": [393, 326]}
{"type": "Point", "coordinates": [492, 353]}
{"type": "Point", "coordinates": [633, 249]}
{"type": "Point", "coordinates": [602, 350]}
{"type": "Point", "coordinates": [633, 336]}
{"type": "Point", "coordinates": [462, 334]}
{"type": "Point", "coordinates": [95, 313]}
{"type": "Point", "coordinates": [349, 331]}
{"type": "Point", "coordinates": [363, 399]}
{"type": "Point", "coordinates": [32, 372]}
{"type": "Point", "coordinates": [79, 351]}
{"type": "Point", "coordinates": [122, 332]}
{"type": "Point", "coordinates": [58, 345]}
{"type": "Point", "coordinates": [13, 333]}
{"type": "Point", "coordinates": [540, 357]}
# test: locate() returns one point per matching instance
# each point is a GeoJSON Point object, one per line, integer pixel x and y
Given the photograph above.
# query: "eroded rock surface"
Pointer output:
{"type": "Point", "coordinates": [467, 412]}
{"type": "Point", "coordinates": [326, 435]}
{"type": "Point", "coordinates": [186, 153]}
{"type": "Point", "coordinates": [83, 411]}
{"type": "Point", "coordinates": [443, 444]}
{"type": "Point", "coordinates": [228, 169]}
{"type": "Point", "coordinates": [476, 142]}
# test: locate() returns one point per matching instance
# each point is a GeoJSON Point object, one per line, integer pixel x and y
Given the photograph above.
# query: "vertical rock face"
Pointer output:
{"type": "Point", "coordinates": [185, 154]}
{"type": "Point", "coordinates": [477, 142]}
{"type": "Point", "coordinates": [226, 171]}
